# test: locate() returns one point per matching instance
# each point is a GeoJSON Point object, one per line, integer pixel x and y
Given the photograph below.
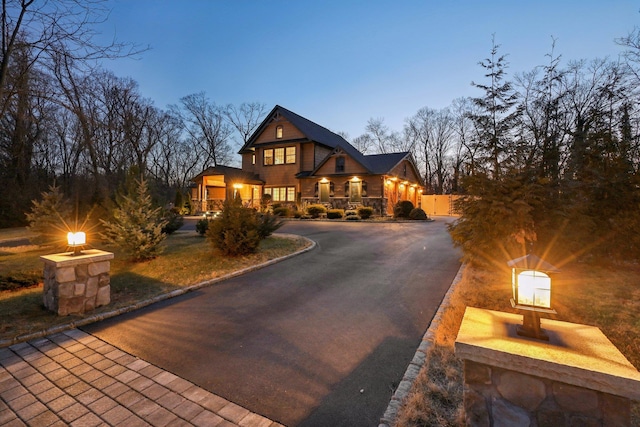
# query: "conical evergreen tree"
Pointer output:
{"type": "Point", "coordinates": [137, 225]}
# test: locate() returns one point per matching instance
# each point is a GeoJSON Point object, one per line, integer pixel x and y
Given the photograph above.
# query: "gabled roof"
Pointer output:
{"type": "Point", "coordinates": [230, 174]}
{"type": "Point", "coordinates": [311, 130]}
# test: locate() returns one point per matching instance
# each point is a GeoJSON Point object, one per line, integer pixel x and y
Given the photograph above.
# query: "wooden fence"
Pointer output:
{"type": "Point", "coordinates": [434, 204]}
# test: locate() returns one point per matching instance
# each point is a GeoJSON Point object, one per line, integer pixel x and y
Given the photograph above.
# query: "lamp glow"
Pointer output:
{"type": "Point", "coordinates": [531, 288]}
{"type": "Point", "coordinates": [76, 241]}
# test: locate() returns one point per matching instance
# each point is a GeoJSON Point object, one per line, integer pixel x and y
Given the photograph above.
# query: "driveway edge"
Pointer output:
{"type": "Point", "coordinates": [161, 297]}
{"type": "Point", "coordinates": [419, 359]}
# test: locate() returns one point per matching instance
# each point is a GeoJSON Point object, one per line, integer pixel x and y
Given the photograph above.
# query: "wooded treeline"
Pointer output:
{"type": "Point", "coordinates": [66, 121]}
{"type": "Point", "coordinates": [546, 155]}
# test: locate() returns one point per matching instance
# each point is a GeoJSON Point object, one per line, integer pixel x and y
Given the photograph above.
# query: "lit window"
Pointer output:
{"type": "Point", "coordinates": [291, 155]}
{"type": "Point", "coordinates": [279, 132]}
{"type": "Point", "coordinates": [278, 156]}
{"type": "Point", "coordinates": [268, 157]}
{"type": "Point", "coordinates": [281, 194]}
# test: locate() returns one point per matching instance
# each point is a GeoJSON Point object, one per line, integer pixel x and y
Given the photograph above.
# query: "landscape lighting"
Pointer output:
{"type": "Point", "coordinates": [76, 241]}
{"type": "Point", "coordinates": [531, 289]}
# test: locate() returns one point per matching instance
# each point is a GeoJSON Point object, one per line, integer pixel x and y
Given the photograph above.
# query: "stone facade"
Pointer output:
{"type": "Point", "coordinates": [77, 284]}
{"type": "Point", "coordinates": [500, 397]}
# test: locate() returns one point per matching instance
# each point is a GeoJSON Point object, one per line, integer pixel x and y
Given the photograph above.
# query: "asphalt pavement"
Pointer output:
{"type": "Point", "coordinates": [321, 339]}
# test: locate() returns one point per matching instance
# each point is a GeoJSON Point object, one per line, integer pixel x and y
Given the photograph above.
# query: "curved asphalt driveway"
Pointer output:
{"type": "Point", "coordinates": [321, 339]}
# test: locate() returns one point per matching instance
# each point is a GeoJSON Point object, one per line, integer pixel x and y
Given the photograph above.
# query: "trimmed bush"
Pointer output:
{"type": "Point", "coordinates": [351, 213]}
{"type": "Point", "coordinates": [316, 210]}
{"type": "Point", "coordinates": [335, 213]}
{"type": "Point", "coordinates": [281, 211]}
{"type": "Point", "coordinates": [365, 212]}
{"type": "Point", "coordinates": [202, 226]}
{"type": "Point", "coordinates": [402, 209]}
{"type": "Point", "coordinates": [298, 214]}
{"type": "Point", "coordinates": [418, 214]}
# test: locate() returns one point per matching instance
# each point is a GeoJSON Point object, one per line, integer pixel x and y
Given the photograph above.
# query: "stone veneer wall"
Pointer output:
{"type": "Point", "coordinates": [499, 397]}
{"type": "Point", "coordinates": [78, 287]}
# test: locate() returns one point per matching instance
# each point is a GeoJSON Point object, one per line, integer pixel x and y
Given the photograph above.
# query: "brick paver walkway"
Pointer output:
{"type": "Point", "coordinates": [73, 378]}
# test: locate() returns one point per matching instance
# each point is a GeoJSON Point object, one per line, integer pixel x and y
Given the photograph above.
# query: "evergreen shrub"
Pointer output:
{"type": "Point", "coordinates": [418, 214]}
{"type": "Point", "coordinates": [316, 210]}
{"type": "Point", "coordinates": [365, 212]}
{"type": "Point", "coordinates": [335, 213]}
{"type": "Point", "coordinates": [402, 209]}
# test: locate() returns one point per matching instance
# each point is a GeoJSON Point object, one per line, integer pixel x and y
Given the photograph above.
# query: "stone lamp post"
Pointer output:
{"type": "Point", "coordinates": [566, 375]}
{"type": "Point", "coordinates": [78, 281]}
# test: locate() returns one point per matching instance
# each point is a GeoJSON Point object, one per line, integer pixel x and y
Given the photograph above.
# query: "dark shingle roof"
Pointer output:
{"type": "Point", "coordinates": [230, 174]}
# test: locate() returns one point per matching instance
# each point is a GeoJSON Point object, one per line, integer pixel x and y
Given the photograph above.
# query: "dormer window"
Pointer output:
{"type": "Point", "coordinates": [279, 130]}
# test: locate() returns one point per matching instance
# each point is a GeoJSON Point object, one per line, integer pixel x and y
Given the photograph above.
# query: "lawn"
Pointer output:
{"type": "Point", "coordinates": [604, 296]}
{"type": "Point", "coordinates": [187, 259]}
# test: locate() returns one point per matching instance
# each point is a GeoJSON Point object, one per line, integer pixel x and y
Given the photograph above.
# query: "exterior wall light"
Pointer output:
{"type": "Point", "coordinates": [389, 182]}
{"type": "Point", "coordinates": [324, 180]}
{"type": "Point", "coordinates": [76, 241]}
{"type": "Point", "coordinates": [531, 289]}
{"type": "Point", "coordinates": [355, 179]}
{"type": "Point", "coordinates": [237, 186]}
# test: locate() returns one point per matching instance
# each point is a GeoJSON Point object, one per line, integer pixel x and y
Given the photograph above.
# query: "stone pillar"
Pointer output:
{"type": "Point", "coordinates": [76, 284]}
{"type": "Point", "coordinates": [576, 378]}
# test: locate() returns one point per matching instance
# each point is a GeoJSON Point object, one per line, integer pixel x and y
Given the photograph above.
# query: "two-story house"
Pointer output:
{"type": "Point", "coordinates": [299, 162]}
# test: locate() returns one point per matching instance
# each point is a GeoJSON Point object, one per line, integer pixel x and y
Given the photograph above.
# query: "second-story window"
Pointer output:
{"type": "Point", "coordinates": [339, 164]}
{"type": "Point", "coordinates": [290, 155]}
{"type": "Point", "coordinates": [279, 130]}
{"type": "Point", "coordinates": [279, 156]}
{"type": "Point", "coordinates": [268, 157]}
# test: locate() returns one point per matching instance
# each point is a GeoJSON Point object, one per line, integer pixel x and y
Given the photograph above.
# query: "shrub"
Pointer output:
{"type": "Point", "coordinates": [418, 214]}
{"type": "Point", "coordinates": [402, 209]}
{"type": "Point", "coordinates": [267, 224]}
{"type": "Point", "coordinates": [281, 211]}
{"type": "Point", "coordinates": [174, 220]}
{"type": "Point", "coordinates": [353, 218]}
{"type": "Point", "coordinates": [235, 231]}
{"type": "Point", "coordinates": [335, 213]}
{"type": "Point", "coordinates": [316, 210]}
{"type": "Point", "coordinates": [136, 226]}
{"type": "Point", "coordinates": [365, 212]}
{"type": "Point", "coordinates": [298, 214]}
{"type": "Point", "coordinates": [202, 226]}
{"type": "Point", "coordinates": [351, 213]}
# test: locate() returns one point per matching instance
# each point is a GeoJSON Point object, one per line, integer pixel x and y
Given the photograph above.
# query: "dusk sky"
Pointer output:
{"type": "Point", "coordinates": [340, 63]}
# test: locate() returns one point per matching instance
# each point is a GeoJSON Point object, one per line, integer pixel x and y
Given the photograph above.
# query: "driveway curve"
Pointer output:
{"type": "Point", "coordinates": [316, 340]}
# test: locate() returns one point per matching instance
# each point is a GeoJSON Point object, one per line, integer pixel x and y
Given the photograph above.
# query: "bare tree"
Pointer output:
{"type": "Point", "coordinates": [55, 27]}
{"type": "Point", "coordinates": [382, 138]}
{"type": "Point", "coordinates": [206, 127]}
{"type": "Point", "coordinates": [245, 118]}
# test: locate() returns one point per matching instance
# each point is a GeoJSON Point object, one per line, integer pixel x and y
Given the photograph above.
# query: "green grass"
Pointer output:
{"type": "Point", "coordinates": [603, 296]}
{"type": "Point", "coordinates": [187, 259]}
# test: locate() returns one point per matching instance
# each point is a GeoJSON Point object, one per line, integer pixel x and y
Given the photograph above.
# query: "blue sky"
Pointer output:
{"type": "Point", "coordinates": [340, 63]}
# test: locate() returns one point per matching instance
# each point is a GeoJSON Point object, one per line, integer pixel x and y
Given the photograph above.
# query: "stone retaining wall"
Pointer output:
{"type": "Point", "coordinates": [500, 397]}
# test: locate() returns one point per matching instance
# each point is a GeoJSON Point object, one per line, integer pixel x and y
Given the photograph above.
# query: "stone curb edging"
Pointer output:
{"type": "Point", "coordinates": [419, 359]}
{"type": "Point", "coordinates": [161, 297]}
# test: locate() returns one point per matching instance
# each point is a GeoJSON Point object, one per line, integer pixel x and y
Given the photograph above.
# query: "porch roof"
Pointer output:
{"type": "Point", "coordinates": [230, 174]}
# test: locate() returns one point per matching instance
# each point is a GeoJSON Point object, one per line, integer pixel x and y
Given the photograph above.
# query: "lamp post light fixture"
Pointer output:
{"type": "Point", "coordinates": [531, 288]}
{"type": "Point", "coordinates": [76, 241]}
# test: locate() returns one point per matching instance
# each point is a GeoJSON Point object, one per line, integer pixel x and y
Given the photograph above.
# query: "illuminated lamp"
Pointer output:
{"type": "Point", "coordinates": [76, 241]}
{"type": "Point", "coordinates": [355, 179]}
{"type": "Point", "coordinates": [531, 289]}
{"type": "Point", "coordinates": [237, 186]}
{"type": "Point", "coordinates": [324, 180]}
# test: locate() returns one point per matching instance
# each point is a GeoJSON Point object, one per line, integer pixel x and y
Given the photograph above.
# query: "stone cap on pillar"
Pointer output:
{"type": "Point", "coordinates": [86, 257]}
{"type": "Point", "coordinates": [575, 354]}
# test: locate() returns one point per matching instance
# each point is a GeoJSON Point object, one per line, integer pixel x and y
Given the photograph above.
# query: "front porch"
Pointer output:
{"type": "Point", "coordinates": [214, 185]}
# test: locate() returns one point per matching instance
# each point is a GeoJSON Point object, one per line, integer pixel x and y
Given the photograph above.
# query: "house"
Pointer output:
{"type": "Point", "coordinates": [299, 162]}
